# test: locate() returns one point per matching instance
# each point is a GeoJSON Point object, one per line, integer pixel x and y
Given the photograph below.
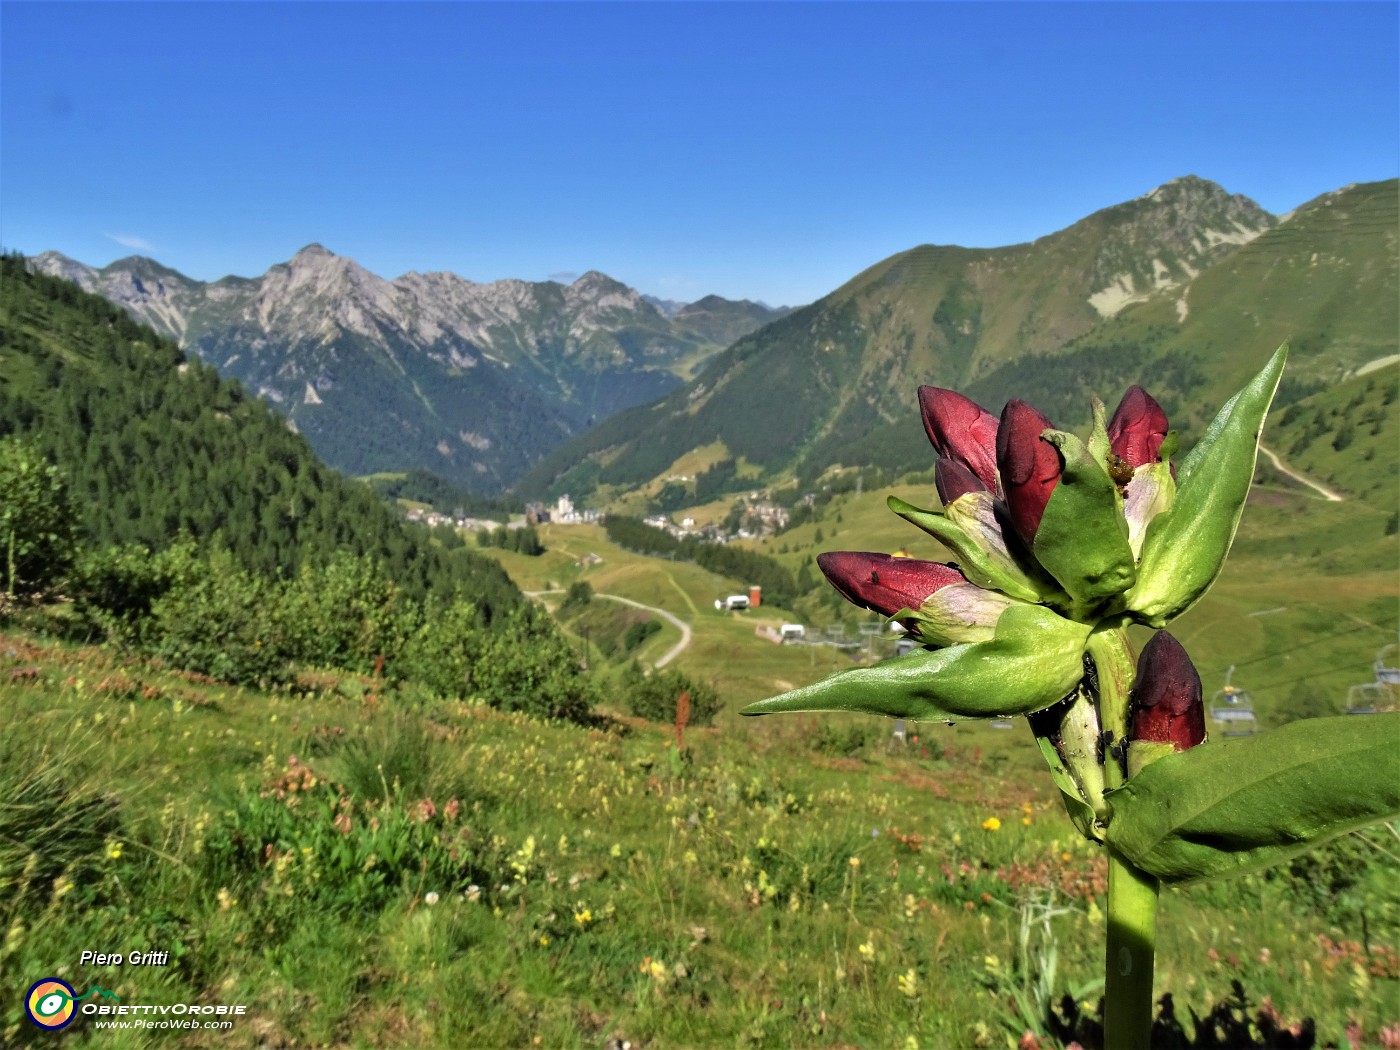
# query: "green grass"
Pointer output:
{"type": "Point", "coordinates": [710, 902]}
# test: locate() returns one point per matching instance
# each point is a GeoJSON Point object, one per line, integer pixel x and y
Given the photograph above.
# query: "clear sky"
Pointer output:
{"type": "Point", "coordinates": [764, 151]}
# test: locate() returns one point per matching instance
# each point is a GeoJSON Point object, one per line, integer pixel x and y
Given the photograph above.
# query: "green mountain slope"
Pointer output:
{"type": "Point", "coordinates": [1186, 290]}
{"type": "Point", "coordinates": [154, 444]}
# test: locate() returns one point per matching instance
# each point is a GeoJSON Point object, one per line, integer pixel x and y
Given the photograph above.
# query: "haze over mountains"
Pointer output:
{"type": "Point", "coordinates": [1186, 289]}
{"type": "Point", "coordinates": [472, 381]}
{"type": "Point", "coordinates": [549, 388]}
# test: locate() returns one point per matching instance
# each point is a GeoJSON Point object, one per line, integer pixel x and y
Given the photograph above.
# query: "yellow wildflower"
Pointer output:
{"type": "Point", "coordinates": [991, 824]}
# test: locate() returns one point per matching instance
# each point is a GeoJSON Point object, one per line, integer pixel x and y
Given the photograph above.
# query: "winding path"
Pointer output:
{"type": "Point", "coordinates": [1283, 468]}
{"type": "Point", "coordinates": [671, 653]}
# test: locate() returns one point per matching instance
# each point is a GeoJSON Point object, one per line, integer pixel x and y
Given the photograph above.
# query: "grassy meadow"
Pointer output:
{"type": "Point", "coordinates": [364, 864]}
{"type": "Point", "coordinates": [369, 868]}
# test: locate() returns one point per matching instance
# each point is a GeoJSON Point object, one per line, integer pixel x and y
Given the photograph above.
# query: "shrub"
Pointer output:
{"type": "Point", "coordinates": [37, 535]}
{"type": "Point", "coordinates": [218, 620]}
{"type": "Point", "coordinates": [653, 696]}
{"type": "Point", "coordinates": [521, 664]}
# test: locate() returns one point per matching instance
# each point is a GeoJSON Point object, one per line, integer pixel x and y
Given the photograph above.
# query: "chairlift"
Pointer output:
{"type": "Point", "coordinates": [1380, 695]}
{"type": "Point", "coordinates": [1232, 710]}
{"type": "Point", "coordinates": [1388, 664]}
{"type": "Point", "coordinates": [1369, 697]}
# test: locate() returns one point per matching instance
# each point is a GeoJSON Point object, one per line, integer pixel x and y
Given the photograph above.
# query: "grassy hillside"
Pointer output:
{"type": "Point", "coordinates": [360, 867]}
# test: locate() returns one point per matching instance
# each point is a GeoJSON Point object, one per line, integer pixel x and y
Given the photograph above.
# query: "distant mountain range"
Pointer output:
{"type": "Point", "coordinates": [474, 382]}
{"type": "Point", "coordinates": [1186, 289]}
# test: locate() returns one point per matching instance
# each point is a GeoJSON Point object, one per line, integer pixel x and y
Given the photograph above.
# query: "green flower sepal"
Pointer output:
{"type": "Point", "coordinates": [1185, 545]}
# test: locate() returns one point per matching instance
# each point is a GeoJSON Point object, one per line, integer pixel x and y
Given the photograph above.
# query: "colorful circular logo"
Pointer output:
{"type": "Point", "coordinates": [49, 1003]}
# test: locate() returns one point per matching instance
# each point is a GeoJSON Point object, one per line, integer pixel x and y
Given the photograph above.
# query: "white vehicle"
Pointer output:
{"type": "Point", "coordinates": [734, 601]}
{"type": "Point", "coordinates": [792, 632]}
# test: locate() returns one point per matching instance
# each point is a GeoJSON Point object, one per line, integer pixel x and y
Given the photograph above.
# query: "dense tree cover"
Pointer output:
{"type": "Point", "coordinates": [524, 540]}
{"type": "Point", "coordinates": [749, 567]}
{"type": "Point", "coordinates": [189, 524]}
{"type": "Point", "coordinates": [441, 495]}
{"type": "Point", "coordinates": [154, 445]}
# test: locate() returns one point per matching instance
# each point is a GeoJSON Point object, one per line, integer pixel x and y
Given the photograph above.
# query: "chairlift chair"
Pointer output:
{"type": "Point", "coordinates": [1232, 710]}
{"type": "Point", "coordinates": [1369, 697]}
{"type": "Point", "coordinates": [1388, 664]}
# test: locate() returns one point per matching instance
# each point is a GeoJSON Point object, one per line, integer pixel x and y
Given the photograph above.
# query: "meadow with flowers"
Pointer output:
{"type": "Point", "coordinates": [368, 864]}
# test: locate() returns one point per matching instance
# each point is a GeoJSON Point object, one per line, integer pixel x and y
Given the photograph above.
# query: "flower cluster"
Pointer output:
{"type": "Point", "coordinates": [1057, 545]}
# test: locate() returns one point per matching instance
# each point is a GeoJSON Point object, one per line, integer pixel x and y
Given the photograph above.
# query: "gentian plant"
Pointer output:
{"type": "Point", "coordinates": [1058, 545]}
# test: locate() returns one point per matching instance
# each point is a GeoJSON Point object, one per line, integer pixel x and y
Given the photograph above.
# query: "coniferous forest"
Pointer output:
{"type": "Point", "coordinates": [187, 522]}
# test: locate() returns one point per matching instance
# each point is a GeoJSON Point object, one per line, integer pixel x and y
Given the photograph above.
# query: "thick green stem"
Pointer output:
{"type": "Point", "coordinates": [1132, 893]}
{"type": "Point", "coordinates": [1132, 942]}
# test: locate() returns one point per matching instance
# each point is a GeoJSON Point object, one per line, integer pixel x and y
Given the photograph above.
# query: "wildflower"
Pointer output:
{"type": "Point", "coordinates": [855, 863]}
{"type": "Point", "coordinates": [430, 898]}
{"type": "Point", "coordinates": [473, 892]}
{"type": "Point", "coordinates": [1029, 466]}
{"type": "Point", "coordinates": [1167, 713]}
{"type": "Point", "coordinates": [909, 984]}
{"type": "Point", "coordinates": [991, 824]}
{"type": "Point", "coordinates": [61, 887]}
{"type": "Point", "coordinates": [867, 951]}
{"type": "Point", "coordinates": [226, 899]}
{"type": "Point", "coordinates": [961, 431]}
{"type": "Point", "coordinates": [1137, 429]}
{"type": "Point", "coordinates": [114, 849]}
{"type": "Point", "coordinates": [583, 917]}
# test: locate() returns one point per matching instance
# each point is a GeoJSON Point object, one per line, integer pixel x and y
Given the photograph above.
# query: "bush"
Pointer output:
{"type": "Point", "coordinates": [521, 664]}
{"type": "Point", "coordinates": [580, 594]}
{"type": "Point", "coordinates": [218, 620]}
{"type": "Point", "coordinates": [653, 696]}
{"type": "Point", "coordinates": [345, 614]}
{"type": "Point", "coordinates": [37, 535]}
{"type": "Point", "coordinates": [115, 587]}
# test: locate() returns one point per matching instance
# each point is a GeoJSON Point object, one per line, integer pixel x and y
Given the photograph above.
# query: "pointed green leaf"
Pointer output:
{"type": "Point", "coordinates": [1034, 660]}
{"type": "Point", "coordinates": [1185, 547]}
{"type": "Point", "coordinates": [1083, 538]}
{"type": "Point", "coordinates": [1246, 802]}
{"type": "Point", "coordinates": [977, 542]}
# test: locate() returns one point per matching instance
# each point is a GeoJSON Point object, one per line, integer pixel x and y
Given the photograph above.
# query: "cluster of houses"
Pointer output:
{"type": "Point", "coordinates": [761, 517]}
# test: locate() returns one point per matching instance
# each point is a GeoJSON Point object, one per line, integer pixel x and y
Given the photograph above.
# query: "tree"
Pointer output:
{"type": "Point", "coordinates": [37, 536]}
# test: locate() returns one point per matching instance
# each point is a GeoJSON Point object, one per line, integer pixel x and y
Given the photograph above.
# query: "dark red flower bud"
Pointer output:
{"type": "Point", "coordinates": [953, 480]}
{"type": "Point", "coordinates": [960, 429]}
{"type": "Point", "coordinates": [1166, 702]}
{"type": "Point", "coordinates": [1030, 466]}
{"type": "Point", "coordinates": [1137, 428]}
{"type": "Point", "coordinates": [883, 583]}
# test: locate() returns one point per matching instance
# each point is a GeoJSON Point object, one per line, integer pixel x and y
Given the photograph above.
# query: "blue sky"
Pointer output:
{"type": "Point", "coordinates": [766, 151]}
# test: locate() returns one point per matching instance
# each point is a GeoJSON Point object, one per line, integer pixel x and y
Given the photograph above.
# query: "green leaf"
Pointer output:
{"type": "Point", "coordinates": [1083, 537]}
{"type": "Point", "coordinates": [1185, 547]}
{"type": "Point", "coordinates": [1034, 660]}
{"type": "Point", "coordinates": [978, 543]}
{"type": "Point", "coordinates": [1246, 802]}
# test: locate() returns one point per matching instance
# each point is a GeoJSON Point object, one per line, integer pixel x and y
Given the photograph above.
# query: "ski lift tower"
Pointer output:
{"type": "Point", "coordinates": [1232, 710]}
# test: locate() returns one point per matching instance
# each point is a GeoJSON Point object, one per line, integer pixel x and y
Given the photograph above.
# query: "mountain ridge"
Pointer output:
{"type": "Point", "coordinates": [471, 381]}
{"type": "Point", "coordinates": [1093, 307]}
